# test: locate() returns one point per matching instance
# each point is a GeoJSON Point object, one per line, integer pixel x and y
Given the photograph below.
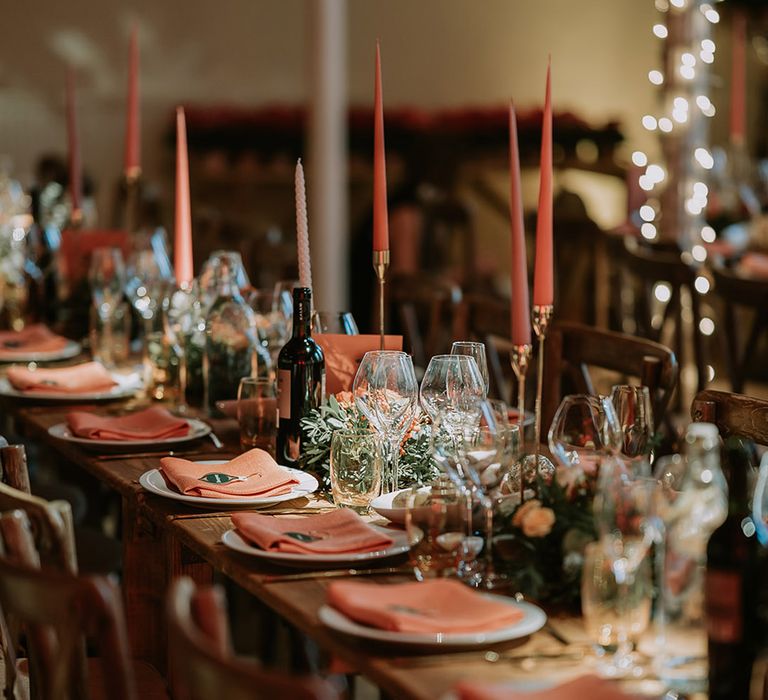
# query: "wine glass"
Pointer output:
{"type": "Point", "coordinates": [624, 519]}
{"type": "Point", "coordinates": [476, 350]}
{"type": "Point", "coordinates": [452, 390]}
{"type": "Point", "coordinates": [273, 329]}
{"type": "Point", "coordinates": [584, 429]}
{"type": "Point", "coordinates": [146, 284]}
{"type": "Point", "coordinates": [341, 322]}
{"type": "Point", "coordinates": [635, 415]}
{"type": "Point", "coordinates": [107, 279]}
{"type": "Point", "coordinates": [386, 393]}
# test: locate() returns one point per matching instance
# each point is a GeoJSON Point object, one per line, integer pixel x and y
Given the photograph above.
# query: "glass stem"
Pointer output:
{"type": "Point", "coordinates": [487, 503]}
{"type": "Point", "coordinates": [181, 402]}
{"type": "Point", "coordinates": [394, 458]}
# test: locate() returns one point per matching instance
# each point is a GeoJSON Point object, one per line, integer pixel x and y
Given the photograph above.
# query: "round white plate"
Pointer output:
{"type": "Point", "coordinates": [154, 482]}
{"type": "Point", "coordinates": [127, 385]}
{"type": "Point", "coordinates": [399, 545]}
{"type": "Point", "coordinates": [71, 349]}
{"type": "Point", "coordinates": [383, 506]}
{"type": "Point", "coordinates": [533, 620]}
{"type": "Point", "coordinates": [197, 429]}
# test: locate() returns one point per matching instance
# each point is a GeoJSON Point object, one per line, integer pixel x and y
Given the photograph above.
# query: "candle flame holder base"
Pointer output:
{"type": "Point", "coordinates": [380, 267]}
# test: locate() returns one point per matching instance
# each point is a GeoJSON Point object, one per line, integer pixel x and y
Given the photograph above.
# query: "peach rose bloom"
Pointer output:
{"type": "Point", "coordinates": [523, 510]}
{"type": "Point", "coordinates": [538, 522]}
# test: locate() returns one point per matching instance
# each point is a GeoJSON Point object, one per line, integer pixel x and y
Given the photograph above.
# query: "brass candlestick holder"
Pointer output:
{"type": "Point", "coordinates": [380, 266]}
{"type": "Point", "coordinates": [132, 202]}
{"type": "Point", "coordinates": [520, 356]}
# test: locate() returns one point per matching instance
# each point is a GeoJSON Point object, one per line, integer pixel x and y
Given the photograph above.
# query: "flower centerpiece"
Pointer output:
{"type": "Point", "coordinates": [540, 543]}
{"type": "Point", "coordinates": [415, 465]}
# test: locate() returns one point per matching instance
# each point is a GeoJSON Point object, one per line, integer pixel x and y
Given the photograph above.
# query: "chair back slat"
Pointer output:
{"type": "Point", "coordinates": [201, 671]}
{"type": "Point", "coordinates": [733, 414]}
{"type": "Point", "coordinates": [59, 611]}
{"type": "Point", "coordinates": [13, 459]}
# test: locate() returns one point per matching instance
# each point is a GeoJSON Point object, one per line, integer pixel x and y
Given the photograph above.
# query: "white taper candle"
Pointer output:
{"type": "Point", "coordinates": [302, 230]}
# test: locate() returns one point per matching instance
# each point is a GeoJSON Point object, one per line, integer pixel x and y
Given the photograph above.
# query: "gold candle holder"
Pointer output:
{"type": "Point", "coordinates": [520, 356]}
{"type": "Point", "coordinates": [542, 315]}
{"type": "Point", "coordinates": [380, 266]}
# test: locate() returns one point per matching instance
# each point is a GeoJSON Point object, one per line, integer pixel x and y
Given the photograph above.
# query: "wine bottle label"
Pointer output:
{"type": "Point", "coordinates": [723, 591]}
{"type": "Point", "coordinates": [284, 394]}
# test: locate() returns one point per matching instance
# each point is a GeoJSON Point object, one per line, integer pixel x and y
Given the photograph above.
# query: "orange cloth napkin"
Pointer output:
{"type": "Point", "coordinates": [343, 354]}
{"type": "Point", "coordinates": [35, 338]}
{"type": "Point", "coordinates": [439, 605]}
{"type": "Point", "coordinates": [579, 688]}
{"type": "Point", "coordinates": [252, 474]}
{"type": "Point", "coordinates": [339, 532]}
{"type": "Point", "coordinates": [79, 379]}
{"type": "Point", "coordinates": [152, 424]}
{"type": "Point", "coordinates": [754, 264]}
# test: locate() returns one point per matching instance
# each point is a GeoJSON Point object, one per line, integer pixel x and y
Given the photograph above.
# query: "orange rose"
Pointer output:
{"type": "Point", "coordinates": [523, 510]}
{"type": "Point", "coordinates": [538, 522]}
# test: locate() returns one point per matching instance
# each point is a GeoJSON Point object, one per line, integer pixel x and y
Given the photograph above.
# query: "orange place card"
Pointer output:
{"type": "Point", "coordinates": [344, 353]}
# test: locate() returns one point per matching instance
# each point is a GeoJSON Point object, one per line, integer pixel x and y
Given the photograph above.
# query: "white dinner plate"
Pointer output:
{"type": "Point", "coordinates": [533, 620]}
{"type": "Point", "coordinates": [399, 545]}
{"type": "Point", "coordinates": [197, 429]}
{"type": "Point", "coordinates": [154, 482]}
{"type": "Point", "coordinates": [383, 505]}
{"type": "Point", "coordinates": [127, 385]}
{"type": "Point", "coordinates": [71, 349]}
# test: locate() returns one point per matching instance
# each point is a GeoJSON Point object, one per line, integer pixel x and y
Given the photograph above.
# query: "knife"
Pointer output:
{"type": "Point", "coordinates": [338, 573]}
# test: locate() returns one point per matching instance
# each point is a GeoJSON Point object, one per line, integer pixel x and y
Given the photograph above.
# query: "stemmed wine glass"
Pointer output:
{"type": "Point", "coordinates": [584, 430]}
{"type": "Point", "coordinates": [272, 326]}
{"type": "Point", "coordinates": [635, 415]}
{"type": "Point", "coordinates": [624, 511]}
{"type": "Point", "coordinates": [476, 350]}
{"type": "Point", "coordinates": [451, 391]}
{"type": "Point", "coordinates": [106, 276]}
{"type": "Point", "coordinates": [386, 393]}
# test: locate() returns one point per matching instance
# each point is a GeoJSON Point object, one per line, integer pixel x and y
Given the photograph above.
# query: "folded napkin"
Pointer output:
{"type": "Point", "coordinates": [438, 605]}
{"type": "Point", "coordinates": [579, 688]}
{"type": "Point", "coordinates": [338, 532]}
{"type": "Point", "coordinates": [35, 338]}
{"type": "Point", "coordinates": [152, 424]}
{"type": "Point", "coordinates": [253, 474]}
{"type": "Point", "coordinates": [754, 265]}
{"type": "Point", "coordinates": [79, 379]}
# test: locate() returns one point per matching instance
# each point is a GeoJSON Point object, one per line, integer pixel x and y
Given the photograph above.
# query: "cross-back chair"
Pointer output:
{"type": "Point", "coordinates": [58, 612]}
{"type": "Point", "coordinates": [202, 664]}
{"type": "Point", "coordinates": [740, 296]}
{"type": "Point", "coordinates": [571, 349]}
{"type": "Point", "coordinates": [733, 414]}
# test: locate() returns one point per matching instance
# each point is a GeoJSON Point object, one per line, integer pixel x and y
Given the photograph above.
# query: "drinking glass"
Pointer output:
{"type": "Point", "coordinates": [584, 430]}
{"type": "Point", "coordinates": [257, 413]}
{"type": "Point", "coordinates": [341, 322]}
{"type": "Point", "coordinates": [147, 283]}
{"type": "Point", "coordinates": [452, 390]}
{"type": "Point", "coordinates": [386, 393]}
{"type": "Point", "coordinates": [476, 350]}
{"type": "Point", "coordinates": [161, 367]}
{"type": "Point", "coordinates": [615, 617]}
{"type": "Point", "coordinates": [273, 328]}
{"type": "Point", "coordinates": [106, 276]}
{"type": "Point", "coordinates": [356, 466]}
{"type": "Point", "coordinates": [624, 519]}
{"type": "Point", "coordinates": [635, 414]}
{"type": "Point", "coordinates": [110, 335]}
{"type": "Point", "coordinates": [439, 531]}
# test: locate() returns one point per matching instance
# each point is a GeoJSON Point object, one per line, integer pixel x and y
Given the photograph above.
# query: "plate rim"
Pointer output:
{"type": "Point", "coordinates": [123, 389]}
{"type": "Point", "coordinates": [72, 349]}
{"type": "Point", "coordinates": [326, 615]}
{"type": "Point", "coordinates": [204, 430]}
{"type": "Point", "coordinates": [147, 485]}
{"type": "Point", "coordinates": [290, 558]}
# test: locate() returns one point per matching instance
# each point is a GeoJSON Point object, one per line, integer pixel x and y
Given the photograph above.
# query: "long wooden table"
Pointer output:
{"type": "Point", "coordinates": [162, 539]}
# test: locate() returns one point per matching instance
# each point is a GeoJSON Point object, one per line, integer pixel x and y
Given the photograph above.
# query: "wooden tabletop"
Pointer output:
{"type": "Point", "coordinates": [163, 538]}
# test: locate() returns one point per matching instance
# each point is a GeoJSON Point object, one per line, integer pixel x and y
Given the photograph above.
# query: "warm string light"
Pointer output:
{"type": "Point", "coordinates": [685, 87]}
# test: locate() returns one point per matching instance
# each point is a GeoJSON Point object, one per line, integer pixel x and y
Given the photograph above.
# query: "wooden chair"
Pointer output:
{"type": "Point", "coordinates": [13, 467]}
{"type": "Point", "coordinates": [571, 349]}
{"type": "Point", "coordinates": [58, 612]}
{"type": "Point", "coordinates": [733, 414]}
{"type": "Point", "coordinates": [202, 664]}
{"type": "Point", "coordinates": [426, 309]}
{"type": "Point", "coordinates": [647, 267]}
{"type": "Point", "coordinates": [740, 295]}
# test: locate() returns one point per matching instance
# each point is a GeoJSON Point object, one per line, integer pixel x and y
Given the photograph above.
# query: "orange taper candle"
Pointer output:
{"type": "Point", "coordinates": [543, 276]}
{"type": "Point", "coordinates": [132, 122]}
{"type": "Point", "coordinates": [182, 247]}
{"type": "Point", "coordinates": [73, 148]}
{"type": "Point", "coordinates": [521, 313]}
{"type": "Point", "coordinates": [738, 78]}
{"type": "Point", "coordinates": [380, 220]}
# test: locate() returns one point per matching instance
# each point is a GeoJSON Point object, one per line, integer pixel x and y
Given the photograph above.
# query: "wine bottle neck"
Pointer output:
{"type": "Point", "coordinates": [302, 312]}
